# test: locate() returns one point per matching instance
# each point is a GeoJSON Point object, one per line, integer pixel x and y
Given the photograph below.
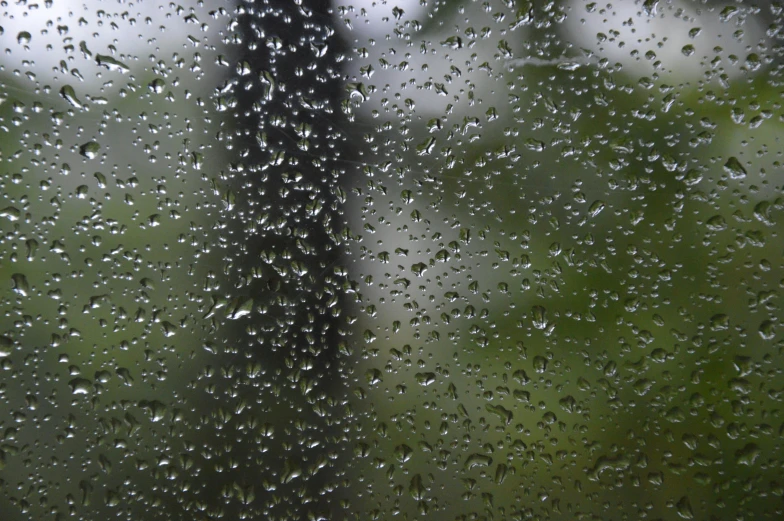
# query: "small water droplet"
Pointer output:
{"type": "Point", "coordinates": [403, 453]}
{"type": "Point", "coordinates": [6, 346]}
{"type": "Point", "coordinates": [478, 460]}
{"type": "Point", "coordinates": [11, 213]}
{"type": "Point", "coordinates": [157, 86]}
{"type": "Point", "coordinates": [716, 223]}
{"type": "Point", "coordinates": [539, 317]}
{"type": "Point", "coordinates": [728, 13]}
{"type": "Point", "coordinates": [500, 473]}
{"type": "Point", "coordinates": [425, 379]}
{"type": "Point", "coordinates": [767, 330]}
{"type": "Point", "coordinates": [110, 63]}
{"type": "Point", "coordinates": [90, 150]}
{"type": "Point", "coordinates": [69, 94]}
{"type": "Point", "coordinates": [168, 329]}
{"type": "Point", "coordinates": [20, 284]}
{"type": "Point", "coordinates": [596, 208]}
{"type": "Point", "coordinates": [540, 364]}
{"type": "Point", "coordinates": [416, 488]}
{"type": "Point", "coordinates": [649, 7]}
{"type": "Point", "coordinates": [80, 386]}
{"type": "Point", "coordinates": [719, 322]}
{"type": "Point", "coordinates": [734, 168]}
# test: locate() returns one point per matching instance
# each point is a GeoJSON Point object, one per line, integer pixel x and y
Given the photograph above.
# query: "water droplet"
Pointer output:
{"type": "Point", "coordinates": [416, 488]}
{"type": "Point", "coordinates": [403, 453]}
{"type": "Point", "coordinates": [125, 375]}
{"type": "Point", "coordinates": [90, 150]}
{"type": "Point", "coordinates": [425, 379]}
{"type": "Point", "coordinates": [419, 268]}
{"type": "Point", "coordinates": [69, 94]}
{"type": "Point", "coordinates": [716, 223]}
{"type": "Point", "coordinates": [6, 346]}
{"type": "Point", "coordinates": [767, 330]}
{"type": "Point", "coordinates": [748, 455]}
{"type": "Point", "coordinates": [80, 386]}
{"type": "Point", "coordinates": [101, 179]}
{"type": "Point", "coordinates": [540, 364]}
{"type": "Point", "coordinates": [649, 7]}
{"type": "Point", "coordinates": [111, 64]}
{"type": "Point", "coordinates": [373, 376]}
{"type": "Point", "coordinates": [539, 317]}
{"type": "Point", "coordinates": [20, 285]}
{"type": "Point", "coordinates": [11, 213]}
{"type": "Point", "coordinates": [358, 90]}
{"type": "Point", "coordinates": [168, 329]}
{"type": "Point", "coordinates": [520, 377]}
{"type": "Point", "coordinates": [154, 408]}
{"type": "Point", "coordinates": [734, 168]}
{"type": "Point", "coordinates": [478, 460]}
{"type": "Point", "coordinates": [719, 322]}
{"type": "Point", "coordinates": [500, 473]}
{"type": "Point", "coordinates": [505, 415]}
{"type": "Point", "coordinates": [596, 208]}
{"type": "Point", "coordinates": [728, 13]}
{"type": "Point", "coordinates": [157, 86]}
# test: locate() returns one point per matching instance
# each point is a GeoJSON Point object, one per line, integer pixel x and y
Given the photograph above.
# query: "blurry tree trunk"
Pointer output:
{"type": "Point", "coordinates": [273, 421]}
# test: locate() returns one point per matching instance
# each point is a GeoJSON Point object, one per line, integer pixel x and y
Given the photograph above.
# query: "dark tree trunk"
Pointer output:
{"type": "Point", "coordinates": [283, 233]}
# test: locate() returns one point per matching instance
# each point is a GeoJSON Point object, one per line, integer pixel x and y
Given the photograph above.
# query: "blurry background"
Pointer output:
{"type": "Point", "coordinates": [468, 260]}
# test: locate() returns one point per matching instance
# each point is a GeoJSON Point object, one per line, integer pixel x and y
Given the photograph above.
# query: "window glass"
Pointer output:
{"type": "Point", "coordinates": [375, 260]}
